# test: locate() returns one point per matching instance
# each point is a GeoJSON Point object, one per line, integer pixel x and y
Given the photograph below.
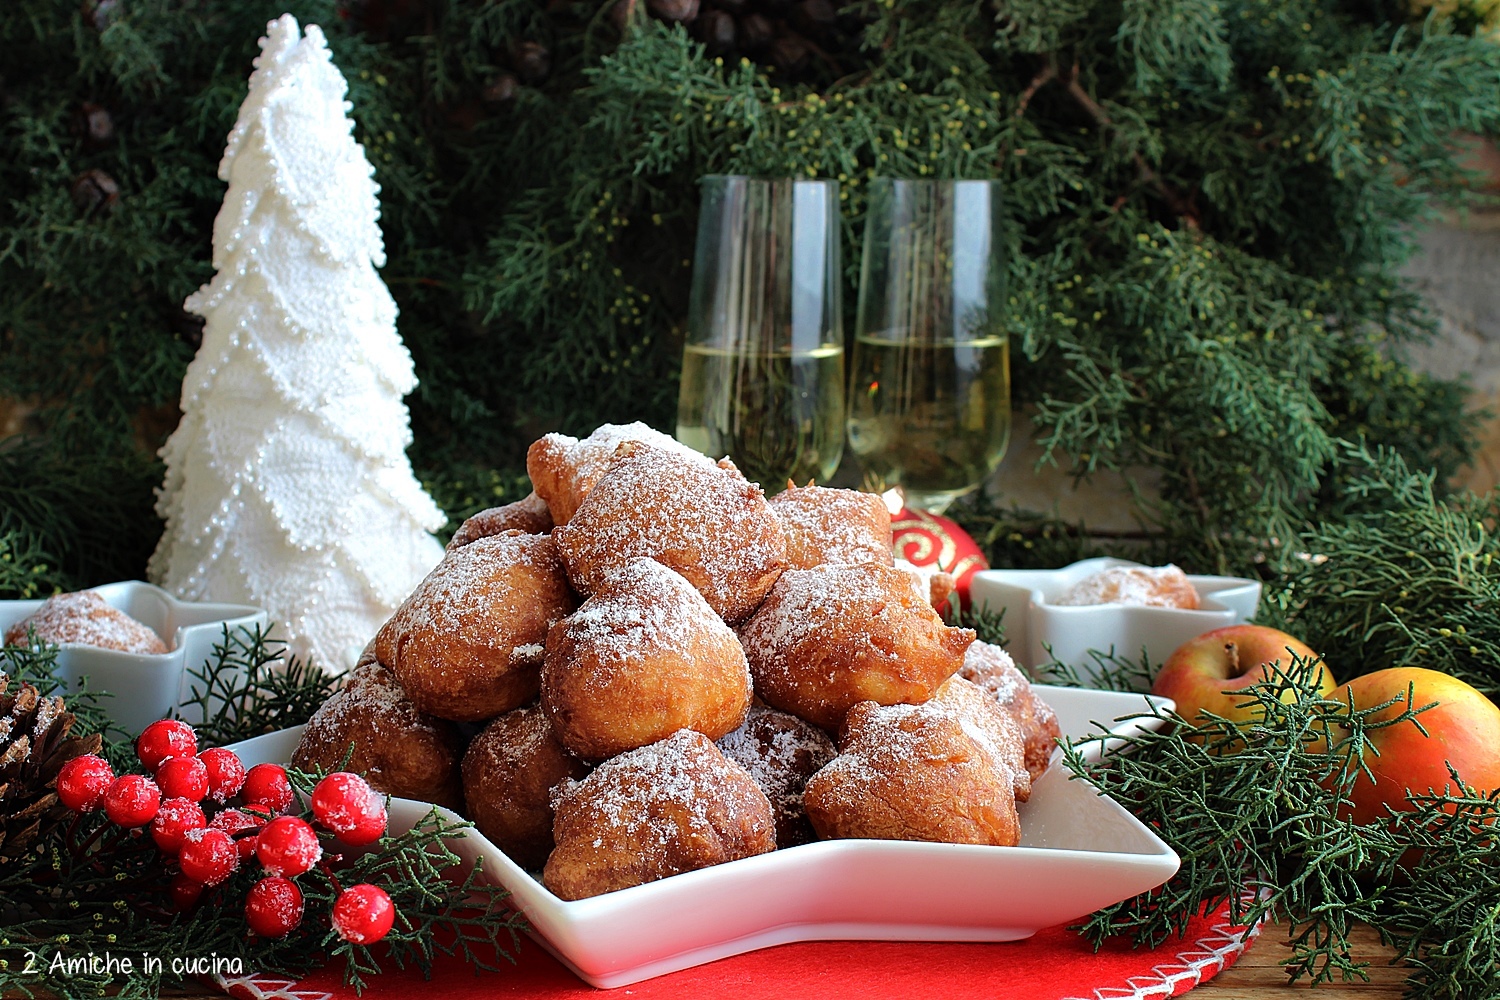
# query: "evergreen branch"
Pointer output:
{"type": "Point", "coordinates": [250, 687]}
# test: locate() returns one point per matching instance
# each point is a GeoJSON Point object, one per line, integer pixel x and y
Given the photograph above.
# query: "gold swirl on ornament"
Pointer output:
{"type": "Point", "coordinates": [927, 531]}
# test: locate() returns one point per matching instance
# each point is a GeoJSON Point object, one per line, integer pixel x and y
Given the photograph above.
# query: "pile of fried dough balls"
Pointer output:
{"type": "Point", "coordinates": [661, 660]}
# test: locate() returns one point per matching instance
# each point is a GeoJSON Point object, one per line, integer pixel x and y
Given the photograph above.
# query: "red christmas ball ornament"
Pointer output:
{"type": "Point", "coordinates": [931, 541]}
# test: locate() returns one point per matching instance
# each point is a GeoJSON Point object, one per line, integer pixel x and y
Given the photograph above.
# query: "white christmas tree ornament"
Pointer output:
{"type": "Point", "coordinates": [287, 481]}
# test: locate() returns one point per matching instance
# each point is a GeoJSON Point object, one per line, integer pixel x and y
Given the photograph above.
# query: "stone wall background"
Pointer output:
{"type": "Point", "coordinates": [1458, 269]}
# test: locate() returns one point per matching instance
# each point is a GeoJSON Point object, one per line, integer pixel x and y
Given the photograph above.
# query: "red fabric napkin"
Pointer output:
{"type": "Point", "coordinates": [1055, 964]}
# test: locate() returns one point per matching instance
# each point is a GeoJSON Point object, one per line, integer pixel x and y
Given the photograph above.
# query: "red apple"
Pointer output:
{"type": "Point", "coordinates": [1462, 729]}
{"type": "Point", "coordinates": [1210, 673]}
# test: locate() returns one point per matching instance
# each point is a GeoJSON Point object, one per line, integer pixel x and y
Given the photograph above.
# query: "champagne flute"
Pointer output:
{"type": "Point", "coordinates": [929, 397]}
{"type": "Point", "coordinates": [763, 365]}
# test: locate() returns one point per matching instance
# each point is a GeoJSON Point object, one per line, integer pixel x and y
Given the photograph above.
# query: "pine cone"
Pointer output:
{"type": "Point", "coordinates": [34, 745]}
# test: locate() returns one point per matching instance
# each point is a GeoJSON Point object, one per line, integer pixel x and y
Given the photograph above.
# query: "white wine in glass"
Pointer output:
{"type": "Point", "coordinates": [929, 396]}
{"type": "Point", "coordinates": [763, 367]}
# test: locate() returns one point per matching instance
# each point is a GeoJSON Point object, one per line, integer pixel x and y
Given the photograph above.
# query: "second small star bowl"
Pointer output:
{"type": "Point", "coordinates": [1038, 631]}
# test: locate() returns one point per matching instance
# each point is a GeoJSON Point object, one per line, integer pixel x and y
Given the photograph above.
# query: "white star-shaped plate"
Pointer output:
{"type": "Point", "coordinates": [1079, 851]}
{"type": "Point", "coordinates": [144, 687]}
{"type": "Point", "coordinates": [1034, 625]}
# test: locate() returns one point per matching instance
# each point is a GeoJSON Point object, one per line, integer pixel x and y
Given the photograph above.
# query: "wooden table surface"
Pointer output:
{"type": "Point", "coordinates": [1256, 976]}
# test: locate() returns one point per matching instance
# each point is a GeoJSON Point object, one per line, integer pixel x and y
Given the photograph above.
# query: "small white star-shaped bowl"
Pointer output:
{"type": "Point", "coordinates": [144, 687]}
{"type": "Point", "coordinates": [1034, 625]}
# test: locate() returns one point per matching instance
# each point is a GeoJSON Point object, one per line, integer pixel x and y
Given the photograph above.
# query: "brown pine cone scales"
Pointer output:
{"type": "Point", "coordinates": [35, 743]}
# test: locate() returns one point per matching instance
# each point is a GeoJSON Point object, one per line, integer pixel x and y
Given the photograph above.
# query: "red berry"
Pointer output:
{"type": "Point", "coordinates": [131, 800]}
{"type": "Point", "coordinates": [226, 775]}
{"type": "Point", "coordinates": [185, 892]}
{"type": "Point", "coordinates": [273, 909]}
{"type": "Point", "coordinates": [267, 785]}
{"type": "Point", "coordinates": [175, 818]}
{"type": "Point", "coordinates": [363, 914]}
{"type": "Point", "coordinates": [208, 856]}
{"type": "Point", "coordinates": [288, 846]}
{"type": "Point", "coordinates": [236, 823]}
{"type": "Point", "coordinates": [165, 738]}
{"type": "Point", "coordinates": [82, 782]}
{"type": "Point", "coordinates": [183, 778]}
{"type": "Point", "coordinates": [347, 805]}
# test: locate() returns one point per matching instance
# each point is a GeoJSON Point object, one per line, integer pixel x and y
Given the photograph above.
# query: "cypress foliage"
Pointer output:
{"type": "Point", "coordinates": [1208, 201]}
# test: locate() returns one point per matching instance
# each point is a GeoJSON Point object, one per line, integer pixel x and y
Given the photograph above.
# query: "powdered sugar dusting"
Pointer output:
{"type": "Point", "coordinates": [87, 619]}
{"type": "Point", "coordinates": [468, 593]}
{"type": "Point", "coordinates": [1139, 586]}
{"type": "Point", "coordinates": [780, 752]}
{"type": "Point", "coordinates": [704, 521]}
{"type": "Point", "coordinates": [825, 525]}
{"type": "Point", "coordinates": [803, 599]}
{"type": "Point", "coordinates": [643, 606]}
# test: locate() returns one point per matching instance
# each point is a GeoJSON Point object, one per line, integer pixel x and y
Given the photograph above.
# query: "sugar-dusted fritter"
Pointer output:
{"type": "Point", "coordinates": [529, 514]}
{"type": "Point", "coordinates": [825, 525]}
{"type": "Point", "coordinates": [642, 658]}
{"type": "Point", "coordinates": [702, 520]}
{"type": "Point", "coordinates": [509, 772]}
{"type": "Point", "coordinates": [828, 638]}
{"type": "Point", "coordinates": [781, 752]}
{"type": "Point", "coordinates": [398, 749]}
{"type": "Point", "coordinates": [1140, 586]}
{"type": "Point", "coordinates": [993, 671]}
{"type": "Point", "coordinates": [671, 807]}
{"type": "Point", "coordinates": [986, 721]}
{"type": "Point", "coordinates": [564, 469]}
{"type": "Point", "coordinates": [915, 772]}
{"type": "Point", "coordinates": [468, 643]}
{"type": "Point", "coordinates": [85, 618]}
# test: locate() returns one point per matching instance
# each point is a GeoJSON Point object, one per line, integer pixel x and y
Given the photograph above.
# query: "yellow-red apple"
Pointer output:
{"type": "Point", "coordinates": [1462, 729]}
{"type": "Point", "coordinates": [1211, 672]}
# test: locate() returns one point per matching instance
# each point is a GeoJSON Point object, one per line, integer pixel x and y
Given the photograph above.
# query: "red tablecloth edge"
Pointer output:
{"type": "Point", "coordinates": [1168, 971]}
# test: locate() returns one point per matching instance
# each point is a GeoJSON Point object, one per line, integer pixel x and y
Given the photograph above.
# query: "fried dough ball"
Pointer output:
{"type": "Point", "coordinates": [828, 638]}
{"type": "Point", "coordinates": [781, 752]}
{"type": "Point", "coordinates": [992, 670]}
{"type": "Point", "coordinates": [704, 521]}
{"type": "Point", "coordinates": [986, 721]}
{"type": "Point", "coordinates": [825, 525]}
{"type": "Point", "coordinates": [1141, 586]}
{"type": "Point", "coordinates": [642, 658]}
{"type": "Point", "coordinates": [529, 514]}
{"type": "Point", "coordinates": [914, 772]}
{"type": "Point", "coordinates": [509, 772]}
{"type": "Point", "coordinates": [87, 619]}
{"type": "Point", "coordinates": [467, 644]}
{"type": "Point", "coordinates": [564, 469]}
{"type": "Point", "coordinates": [398, 749]}
{"type": "Point", "coordinates": [671, 807]}
{"type": "Point", "coordinates": [932, 584]}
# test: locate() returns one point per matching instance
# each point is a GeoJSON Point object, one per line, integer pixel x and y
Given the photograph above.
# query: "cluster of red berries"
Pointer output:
{"type": "Point", "coordinates": [170, 804]}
